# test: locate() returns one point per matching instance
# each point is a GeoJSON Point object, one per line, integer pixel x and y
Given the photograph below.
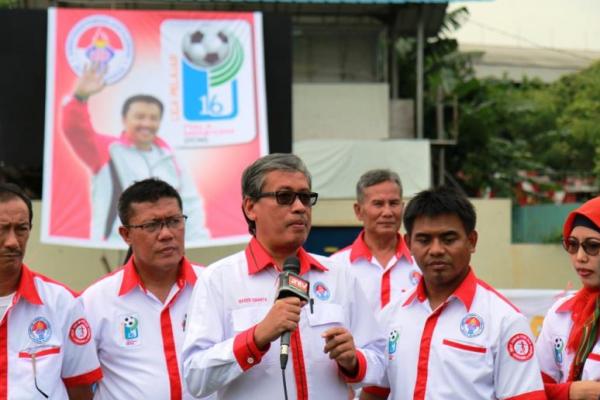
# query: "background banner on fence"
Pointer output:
{"type": "Point", "coordinates": [133, 94]}
{"type": "Point", "coordinates": [534, 303]}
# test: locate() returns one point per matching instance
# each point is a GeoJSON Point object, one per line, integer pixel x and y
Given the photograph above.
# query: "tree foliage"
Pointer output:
{"type": "Point", "coordinates": [506, 127]}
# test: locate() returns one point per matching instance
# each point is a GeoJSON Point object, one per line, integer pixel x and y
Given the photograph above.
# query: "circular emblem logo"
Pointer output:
{"type": "Point", "coordinates": [40, 330]}
{"type": "Point", "coordinates": [80, 332]}
{"type": "Point", "coordinates": [102, 40]}
{"type": "Point", "coordinates": [321, 291]}
{"type": "Point", "coordinates": [520, 347]}
{"type": "Point", "coordinates": [471, 325]}
{"type": "Point", "coordinates": [414, 277]}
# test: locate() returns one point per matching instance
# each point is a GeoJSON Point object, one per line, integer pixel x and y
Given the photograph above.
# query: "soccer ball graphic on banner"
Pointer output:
{"type": "Point", "coordinates": [206, 47]}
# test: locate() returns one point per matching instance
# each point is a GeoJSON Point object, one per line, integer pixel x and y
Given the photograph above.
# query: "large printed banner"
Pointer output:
{"type": "Point", "coordinates": [137, 94]}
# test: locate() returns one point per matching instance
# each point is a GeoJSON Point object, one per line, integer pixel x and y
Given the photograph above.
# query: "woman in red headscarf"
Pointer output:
{"type": "Point", "coordinates": [568, 348]}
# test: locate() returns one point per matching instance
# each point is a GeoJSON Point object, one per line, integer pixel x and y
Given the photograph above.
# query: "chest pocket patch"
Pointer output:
{"type": "Point", "coordinates": [326, 314]}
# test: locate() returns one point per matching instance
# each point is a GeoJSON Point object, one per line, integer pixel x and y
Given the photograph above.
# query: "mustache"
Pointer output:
{"type": "Point", "coordinates": [6, 253]}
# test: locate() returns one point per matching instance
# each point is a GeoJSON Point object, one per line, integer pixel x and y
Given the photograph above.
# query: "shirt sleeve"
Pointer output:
{"type": "Point", "coordinates": [90, 146]}
{"type": "Point", "coordinates": [369, 337]}
{"type": "Point", "coordinates": [548, 348]}
{"type": "Point", "coordinates": [516, 369]}
{"type": "Point", "coordinates": [80, 365]}
{"type": "Point", "coordinates": [210, 358]}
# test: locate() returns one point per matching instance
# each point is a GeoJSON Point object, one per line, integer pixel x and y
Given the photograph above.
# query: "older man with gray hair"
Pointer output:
{"type": "Point", "coordinates": [235, 314]}
{"type": "Point", "coordinates": [379, 257]}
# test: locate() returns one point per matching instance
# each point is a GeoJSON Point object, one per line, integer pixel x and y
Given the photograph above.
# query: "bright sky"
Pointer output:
{"type": "Point", "coordinates": [563, 24]}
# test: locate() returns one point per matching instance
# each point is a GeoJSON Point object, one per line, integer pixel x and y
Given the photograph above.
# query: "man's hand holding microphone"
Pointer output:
{"type": "Point", "coordinates": [284, 316]}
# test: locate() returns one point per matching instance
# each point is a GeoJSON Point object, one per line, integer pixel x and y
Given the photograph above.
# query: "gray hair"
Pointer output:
{"type": "Point", "coordinates": [374, 177]}
{"type": "Point", "coordinates": [254, 176]}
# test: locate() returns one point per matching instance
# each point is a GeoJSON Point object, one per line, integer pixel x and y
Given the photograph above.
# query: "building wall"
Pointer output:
{"type": "Point", "coordinates": [340, 111]}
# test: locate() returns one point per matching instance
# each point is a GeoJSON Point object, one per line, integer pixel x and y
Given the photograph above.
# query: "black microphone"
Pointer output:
{"type": "Point", "coordinates": [290, 285]}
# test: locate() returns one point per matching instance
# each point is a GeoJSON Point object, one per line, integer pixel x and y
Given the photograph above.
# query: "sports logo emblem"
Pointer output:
{"type": "Point", "coordinates": [212, 57]}
{"type": "Point", "coordinates": [321, 291]}
{"type": "Point", "coordinates": [471, 325]}
{"type": "Point", "coordinates": [559, 346]}
{"type": "Point", "coordinates": [80, 332]}
{"type": "Point", "coordinates": [520, 347]}
{"type": "Point", "coordinates": [130, 329]}
{"type": "Point", "coordinates": [40, 330]}
{"type": "Point", "coordinates": [103, 40]}
{"type": "Point", "coordinates": [392, 343]}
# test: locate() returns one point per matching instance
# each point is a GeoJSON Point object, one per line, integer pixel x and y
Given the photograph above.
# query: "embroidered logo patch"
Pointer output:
{"type": "Point", "coordinates": [520, 347]}
{"type": "Point", "coordinates": [393, 342]}
{"type": "Point", "coordinates": [80, 332]}
{"type": "Point", "coordinates": [559, 345]}
{"type": "Point", "coordinates": [414, 277]}
{"type": "Point", "coordinates": [471, 325]}
{"type": "Point", "coordinates": [40, 330]}
{"type": "Point", "coordinates": [130, 329]}
{"type": "Point", "coordinates": [321, 291]}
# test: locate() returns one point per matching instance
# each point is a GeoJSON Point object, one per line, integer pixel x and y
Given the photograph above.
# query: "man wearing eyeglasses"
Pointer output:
{"type": "Point", "coordinates": [235, 320]}
{"type": "Point", "coordinates": [138, 313]}
{"type": "Point", "coordinates": [46, 349]}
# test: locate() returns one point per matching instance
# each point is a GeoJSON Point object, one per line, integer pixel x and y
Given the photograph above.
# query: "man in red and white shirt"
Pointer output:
{"type": "Point", "coordinates": [453, 336]}
{"type": "Point", "coordinates": [46, 349]}
{"type": "Point", "coordinates": [235, 320]}
{"type": "Point", "coordinates": [138, 313]}
{"type": "Point", "coordinates": [379, 257]}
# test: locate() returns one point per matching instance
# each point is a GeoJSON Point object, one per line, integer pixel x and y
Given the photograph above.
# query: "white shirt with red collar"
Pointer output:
{"type": "Point", "coordinates": [138, 337]}
{"type": "Point", "coordinates": [235, 294]}
{"type": "Point", "coordinates": [388, 281]}
{"type": "Point", "coordinates": [46, 340]}
{"type": "Point", "coordinates": [476, 345]}
{"type": "Point", "coordinates": [551, 347]}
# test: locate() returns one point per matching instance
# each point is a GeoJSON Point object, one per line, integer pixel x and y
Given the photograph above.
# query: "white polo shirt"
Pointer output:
{"type": "Point", "coordinates": [138, 337]}
{"type": "Point", "coordinates": [476, 345]}
{"type": "Point", "coordinates": [551, 347]}
{"type": "Point", "coordinates": [235, 294]}
{"type": "Point", "coordinates": [45, 327]}
{"type": "Point", "coordinates": [381, 283]}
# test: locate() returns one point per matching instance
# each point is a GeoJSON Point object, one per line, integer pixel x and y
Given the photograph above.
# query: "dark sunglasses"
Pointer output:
{"type": "Point", "coordinates": [590, 246]}
{"type": "Point", "coordinates": [287, 197]}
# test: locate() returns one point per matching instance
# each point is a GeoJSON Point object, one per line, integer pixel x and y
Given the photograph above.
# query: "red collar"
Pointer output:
{"type": "Point", "coordinates": [131, 278]}
{"type": "Point", "coordinates": [567, 306]}
{"type": "Point", "coordinates": [26, 288]}
{"type": "Point", "coordinates": [360, 249]}
{"type": "Point", "coordinates": [465, 292]}
{"type": "Point", "coordinates": [258, 259]}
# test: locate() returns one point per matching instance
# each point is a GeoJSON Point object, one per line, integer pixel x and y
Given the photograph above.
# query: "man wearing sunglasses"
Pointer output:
{"type": "Point", "coordinates": [138, 313]}
{"type": "Point", "coordinates": [46, 349]}
{"type": "Point", "coordinates": [235, 319]}
{"type": "Point", "coordinates": [379, 256]}
{"type": "Point", "coordinates": [568, 347]}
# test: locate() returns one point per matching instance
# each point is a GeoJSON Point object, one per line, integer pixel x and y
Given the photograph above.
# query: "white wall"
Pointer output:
{"type": "Point", "coordinates": [340, 111]}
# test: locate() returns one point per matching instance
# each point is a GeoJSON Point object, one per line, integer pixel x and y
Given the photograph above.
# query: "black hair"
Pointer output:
{"type": "Point", "coordinates": [141, 98]}
{"type": "Point", "coordinates": [10, 191]}
{"type": "Point", "coordinates": [442, 200]}
{"type": "Point", "coordinates": [148, 190]}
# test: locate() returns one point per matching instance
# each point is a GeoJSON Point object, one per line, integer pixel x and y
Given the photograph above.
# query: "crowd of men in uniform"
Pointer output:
{"type": "Point", "coordinates": [388, 317]}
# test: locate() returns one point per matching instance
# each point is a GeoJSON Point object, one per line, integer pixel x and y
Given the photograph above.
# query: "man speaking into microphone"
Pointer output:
{"type": "Point", "coordinates": [242, 306]}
